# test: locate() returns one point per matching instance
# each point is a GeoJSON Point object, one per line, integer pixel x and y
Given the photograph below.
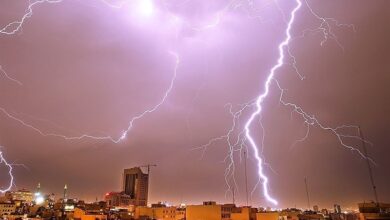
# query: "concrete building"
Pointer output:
{"type": "Point", "coordinates": [243, 213]}
{"type": "Point", "coordinates": [22, 195]}
{"type": "Point", "coordinates": [83, 214]}
{"type": "Point", "coordinates": [374, 211]}
{"type": "Point", "coordinates": [267, 216]}
{"type": "Point", "coordinates": [164, 213]}
{"type": "Point", "coordinates": [210, 211]}
{"type": "Point", "coordinates": [290, 214]}
{"type": "Point", "coordinates": [118, 199]}
{"type": "Point", "coordinates": [7, 208]}
{"type": "Point", "coordinates": [135, 185]}
{"type": "Point", "coordinates": [180, 213]}
{"type": "Point", "coordinates": [310, 215]}
{"type": "Point", "coordinates": [159, 212]}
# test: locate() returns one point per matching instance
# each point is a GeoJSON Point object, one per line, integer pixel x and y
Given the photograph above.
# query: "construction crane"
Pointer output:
{"type": "Point", "coordinates": [148, 166]}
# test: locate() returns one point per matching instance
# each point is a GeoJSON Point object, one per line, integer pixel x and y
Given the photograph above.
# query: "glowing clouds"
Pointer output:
{"type": "Point", "coordinates": [145, 8]}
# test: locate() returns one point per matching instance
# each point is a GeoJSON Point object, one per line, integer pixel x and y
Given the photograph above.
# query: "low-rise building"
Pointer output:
{"type": "Point", "coordinates": [7, 208]}
{"type": "Point", "coordinates": [267, 216]}
{"type": "Point", "coordinates": [20, 195]}
{"type": "Point", "coordinates": [160, 212]}
{"type": "Point", "coordinates": [118, 199]}
{"type": "Point", "coordinates": [209, 210]}
{"type": "Point", "coordinates": [290, 214]}
{"type": "Point", "coordinates": [374, 211]}
{"type": "Point", "coordinates": [82, 214]}
{"type": "Point", "coordinates": [243, 213]}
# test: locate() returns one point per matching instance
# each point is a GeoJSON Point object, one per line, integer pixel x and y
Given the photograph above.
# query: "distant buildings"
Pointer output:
{"type": "Point", "coordinates": [337, 208]}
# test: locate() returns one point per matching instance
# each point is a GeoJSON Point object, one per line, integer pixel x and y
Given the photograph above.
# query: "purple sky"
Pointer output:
{"type": "Point", "coordinates": [87, 68]}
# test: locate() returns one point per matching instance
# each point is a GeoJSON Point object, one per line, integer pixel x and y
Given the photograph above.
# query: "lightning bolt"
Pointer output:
{"type": "Point", "coordinates": [15, 26]}
{"type": "Point", "coordinates": [5, 74]}
{"type": "Point", "coordinates": [125, 132]}
{"type": "Point", "coordinates": [3, 161]}
{"type": "Point", "coordinates": [259, 106]}
{"type": "Point", "coordinates": [242, 141]}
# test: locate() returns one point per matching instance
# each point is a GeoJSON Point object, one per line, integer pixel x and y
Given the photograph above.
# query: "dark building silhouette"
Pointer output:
{"type": "Point", "coordinates": [135, 185]}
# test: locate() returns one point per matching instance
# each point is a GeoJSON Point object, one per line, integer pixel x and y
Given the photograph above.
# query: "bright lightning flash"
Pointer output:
{"type": "Point", "coordinates": [244, 136]}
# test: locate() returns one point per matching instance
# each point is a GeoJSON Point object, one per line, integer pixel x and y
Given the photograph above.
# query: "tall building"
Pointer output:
{"type": "Point", "coordinates": [337, 208]}
{"type": "Point", "coordinates": [65, 192]}
{"type": "Point", "coordinates": [135, 184]}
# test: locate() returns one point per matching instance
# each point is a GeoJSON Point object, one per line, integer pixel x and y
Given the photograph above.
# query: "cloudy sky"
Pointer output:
{"type": "Point", "coordinates": [87, 67]}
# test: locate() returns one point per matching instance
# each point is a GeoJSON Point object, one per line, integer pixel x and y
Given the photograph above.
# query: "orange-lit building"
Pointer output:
{"type": "Point", "coordinates": [7, 208]}
{"type": "Point", "coordinates": [243, 213]}
{"type": "Point", "coordinates": [209, 211]}
{"type": "Point", "coordinates": [81, 214]}
{"type": "Point", "coordinates": [267, 216]}
{"type": "Point", "coordinates": [159, 212]}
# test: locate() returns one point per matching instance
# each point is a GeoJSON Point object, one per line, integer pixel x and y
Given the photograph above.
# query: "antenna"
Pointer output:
{"type": "Point", "coordinates": [246, 180]}
{"type": "Point", "coordinates": [368, 166]}
{"type": "Point", "coordinates": [234, 198]}
{"type": "Point", "coordinates": [307, 193]}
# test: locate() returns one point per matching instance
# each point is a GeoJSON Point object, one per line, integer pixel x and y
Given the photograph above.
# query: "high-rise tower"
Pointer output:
{"type": "Point", "coordinates": [65, 192]}
{"type": "Point", "coordinates": [135, 184]}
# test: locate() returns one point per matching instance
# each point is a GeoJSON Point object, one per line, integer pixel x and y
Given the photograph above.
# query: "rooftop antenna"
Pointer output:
{"type": "Point", "coordinates": [307, 194]}
{"type": "Point", "coordinates": [369, 166]}
{"type": "Point", "coordinates": [234, 198]}
{"type": "Point", "coordinates": [246, 180]}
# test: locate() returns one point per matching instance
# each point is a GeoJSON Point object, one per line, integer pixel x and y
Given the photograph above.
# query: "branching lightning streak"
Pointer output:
{"type": "Point", "coordinates": [311, 120]}
{"type": "Point", "coordinates": [125, 132]}
{"type": "Point", "coordinates": [325, 27]}
{"type": "Point", "coordinates": [259, 107]}
{"type": "Point", "coordinates": [15, 26]}
{"type": "Point", "coordinates": [9, 77]}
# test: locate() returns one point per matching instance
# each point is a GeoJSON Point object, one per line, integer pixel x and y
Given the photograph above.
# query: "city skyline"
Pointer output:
{"type": "Point", "coordinates": [69, 73]}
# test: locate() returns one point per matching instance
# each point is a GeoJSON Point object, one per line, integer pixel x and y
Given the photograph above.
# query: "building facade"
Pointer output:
{"type": "Point", "coordinates": [135, 185]}
{"type": "Point", "coordinates": [7, 208]}
{"type": "Point", "coordinates": [22, 195]}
